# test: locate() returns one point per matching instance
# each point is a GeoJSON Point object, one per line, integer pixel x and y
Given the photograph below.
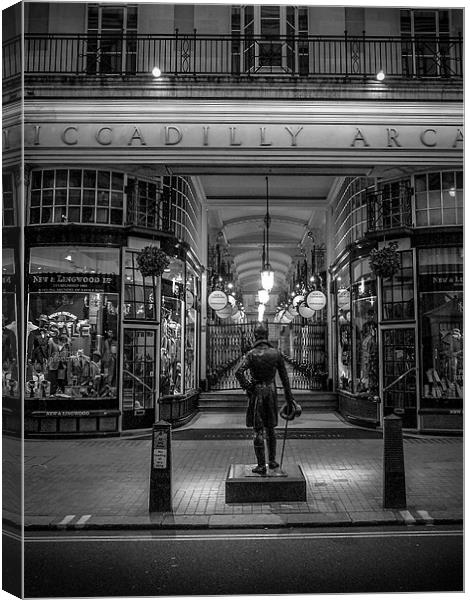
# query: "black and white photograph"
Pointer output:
{"type": "Point", "coordinates": [232, 299]}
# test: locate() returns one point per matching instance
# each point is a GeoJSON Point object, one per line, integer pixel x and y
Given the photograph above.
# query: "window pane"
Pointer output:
{"type": "Point", "coordinates": [103, 179]}
{"type": "Point", "coordinates": [89, 179]}
{"type": "Point", "coordinates": [75, 178]}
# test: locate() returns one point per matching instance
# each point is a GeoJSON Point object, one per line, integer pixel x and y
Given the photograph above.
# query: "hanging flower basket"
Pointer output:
{"type": "Point", "coordinates": [385, 262]}
{"type": "Point", "coordinates": [152, 261]}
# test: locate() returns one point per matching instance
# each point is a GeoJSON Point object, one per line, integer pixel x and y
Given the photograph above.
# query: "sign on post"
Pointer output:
{"type": "Point", "coordinates": [160, 470]}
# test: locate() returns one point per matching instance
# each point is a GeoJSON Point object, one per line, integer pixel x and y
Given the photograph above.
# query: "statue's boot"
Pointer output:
{"type": "Point", "coordinates": [261, 457]}
{"type": "Point", "coordinates": [271, 441]}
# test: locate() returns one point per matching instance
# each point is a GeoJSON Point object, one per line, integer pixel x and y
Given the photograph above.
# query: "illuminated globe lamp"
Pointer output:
{"type": "Point", "coordinates": [267, 278]}
{"type": "Point", "coordinates": [263, 296]}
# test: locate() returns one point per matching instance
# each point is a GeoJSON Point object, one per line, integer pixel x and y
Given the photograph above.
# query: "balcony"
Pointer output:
{"type": "Point", "coordinates": [344, 57]}
{"type": "Point", "coordinates": [390, 211]}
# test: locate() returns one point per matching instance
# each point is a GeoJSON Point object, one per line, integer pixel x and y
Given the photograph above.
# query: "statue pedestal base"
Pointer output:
{"type": "Point", "coordinates": [287, 485]}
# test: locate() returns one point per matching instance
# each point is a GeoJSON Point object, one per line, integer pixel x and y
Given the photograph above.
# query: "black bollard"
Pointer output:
{"type": "Point", "coordinates": [394, 492]}
{"type": "Point", "coordinates": [160, 470]}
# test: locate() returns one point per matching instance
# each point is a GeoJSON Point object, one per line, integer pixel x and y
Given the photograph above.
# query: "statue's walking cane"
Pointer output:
{"type": "Point", "coordinates": [284, 443]}
{"type": "Point", "coordinates": [295, 411]}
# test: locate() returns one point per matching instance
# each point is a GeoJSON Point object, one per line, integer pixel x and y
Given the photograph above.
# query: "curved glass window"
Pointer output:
{"type": "Point", "coordinates": [76, 196]}
{"type": "Point", "coordinates": [439, 199]}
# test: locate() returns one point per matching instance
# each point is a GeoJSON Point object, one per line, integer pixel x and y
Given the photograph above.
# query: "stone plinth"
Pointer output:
{"type": "Point", "coordinates": [287, 485]}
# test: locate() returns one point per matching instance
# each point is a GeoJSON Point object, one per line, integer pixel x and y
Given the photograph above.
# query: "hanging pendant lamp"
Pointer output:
{"type": "Point", "coordinates": [267, 275]}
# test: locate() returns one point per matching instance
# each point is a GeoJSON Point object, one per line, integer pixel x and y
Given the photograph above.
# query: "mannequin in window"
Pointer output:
{"type": "Point", "coordinates": [59, 353]}
{"type": "Point", "coordinates": [38, 342]}
{"type": "Point", "coordinates": [165, 373]}
{"type": "Point", "coordinates": [109, 358]}
{"type": "Point", "coordinates": [79, 367]}
{"type": "Point", "coordinates": [95, 371]}
{"type": "Point", "coordinates": [369, 377]}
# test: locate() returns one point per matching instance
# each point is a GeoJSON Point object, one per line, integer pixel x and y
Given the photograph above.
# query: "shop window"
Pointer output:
{"type": "Point", "coordinates": [365, 340]}
{"type": "Point", "coordinates": [10, 365]}
{"type": "Point", "coordinates": [343, 328]}
{"type": "Point", "coordinates": [264, 39]}
{"type": "Point", "coordinates": [140, 292]}
{"type": "Point", "coordinates": [441, 315]}
{"type": "Point", "coordinates": [73, 259]}
{"type": "Point", "coordinates": [139, 369]}
{"type": "Point", "coordinates": [72, 332]}
{"type": "Point", "coordinates": [191, 329]}
{"type": "Point", "coordinates": [76, 196]}
{"type": "Point", "coordinates": [439, 198]}
{"type": "Point", "coordinates": [8, 201]}
{"type": "Point", "coordinates": [172, 323]}
{"type": "Point", "coordinates": [398, 291]}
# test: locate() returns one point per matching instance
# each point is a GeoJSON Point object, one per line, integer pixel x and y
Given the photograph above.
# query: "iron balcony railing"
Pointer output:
{"type": "Point", "coordinates": [343, 56]}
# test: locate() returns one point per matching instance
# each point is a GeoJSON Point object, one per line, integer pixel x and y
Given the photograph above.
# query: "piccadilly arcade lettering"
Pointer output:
{"type": "Point", "coordinates": [216, 135]}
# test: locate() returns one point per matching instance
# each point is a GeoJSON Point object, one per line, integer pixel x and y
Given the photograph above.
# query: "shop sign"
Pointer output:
{"type": "Point", "coordinates": [441, 282]}
{"type": "Point", "coordinates": [8, 282]}
{"type": "Point", "coordinates": [297, 300]}
{"type": "Point", "coordinates": [305, 311]}
{"type": "Point", "coordinates": [67, 413]}
{"type": "Point", "coordinates": [210, 134]}
{"type": "Point", "coordinates": [293, 311]}
{"type": "Point", "coordinates": [343, 298]}
{"type": "Point", "coordinates": [225, 312]}
{"type": "Point", "coordinates": [217, 300]}
{"type": "Point", "coordinates": [316, 300]}
{"type": "Point", "coordinates": [73, 282]}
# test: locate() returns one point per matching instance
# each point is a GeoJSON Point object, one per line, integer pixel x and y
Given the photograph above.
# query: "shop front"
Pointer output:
{"type": "Point", "coordinates": [399, 335]}
{"type": "Point", "coordinates": [106, 342]}
{"type": "Point", "coordinates": [73, 341]}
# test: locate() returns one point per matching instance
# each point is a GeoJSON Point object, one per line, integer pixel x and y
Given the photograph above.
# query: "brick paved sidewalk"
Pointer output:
{"type": "Point", "coordinates": [106, 482]}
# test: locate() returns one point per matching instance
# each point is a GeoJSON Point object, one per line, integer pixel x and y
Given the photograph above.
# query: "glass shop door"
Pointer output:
{"type": "Point", "coordinates": [140, 366]}
{"type": "Point", "coordinates": [399, 389]}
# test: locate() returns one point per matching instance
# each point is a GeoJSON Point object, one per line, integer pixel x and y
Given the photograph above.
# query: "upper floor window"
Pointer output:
{"type": "Point", "coordinates": [428, 56]}
{"type": "Point", "coordinates": [77, 196]}
{"type": "Point", "coordinates": [111, 42]}
{"type": "Point", "coordinates": [439, 198]}
{"type": "Point", "coordinates": [8, 201]}
{"type": "Point", "coordinates": [265, 39]}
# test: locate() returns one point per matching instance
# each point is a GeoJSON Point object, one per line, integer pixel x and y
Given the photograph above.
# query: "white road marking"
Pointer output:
{"type": "Point", "coordinates": [425, 516]}
{"type": "Point", "coordinates": [407, 517]}
{"type": "Point", "coordinates": [66, 520]}
{"type": "Point", "coordinates": [82, 520]}
{"type": "Point", "coordinates": [235, 536]}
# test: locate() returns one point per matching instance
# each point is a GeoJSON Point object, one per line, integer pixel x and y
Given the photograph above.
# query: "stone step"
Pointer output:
{"type": "Point", "coordinates": [234, 400]}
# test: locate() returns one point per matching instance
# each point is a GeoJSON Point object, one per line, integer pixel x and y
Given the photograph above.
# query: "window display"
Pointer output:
{"type": "Point", "coordinates": [191, 330]}
{"type": "Point", "coordinates": [364, 315]}
{"type": "Point", "coordinates": [441, 308]}
{"type": "Point", "coordinates": [343, 317]}
{"type": "Point", "coordinates": [171, 359]}
{"type": "Point", "coordinates": [72, 331]}
{"type": "Point", "coordinates": [10, 368]}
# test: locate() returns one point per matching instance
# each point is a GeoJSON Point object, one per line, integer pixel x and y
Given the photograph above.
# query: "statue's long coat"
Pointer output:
{"type": "Point", "coordinates": [261, 364]}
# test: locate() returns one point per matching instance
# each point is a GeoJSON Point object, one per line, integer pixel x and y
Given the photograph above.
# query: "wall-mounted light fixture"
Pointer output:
{"type": "Point", "coordinates": [156, 72]}
{"type": "Point", "coordinates": [380, 75]}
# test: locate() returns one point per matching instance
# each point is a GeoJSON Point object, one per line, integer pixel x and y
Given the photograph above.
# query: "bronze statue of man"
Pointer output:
{"type": "Point", "coordinates": [261, 363]}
